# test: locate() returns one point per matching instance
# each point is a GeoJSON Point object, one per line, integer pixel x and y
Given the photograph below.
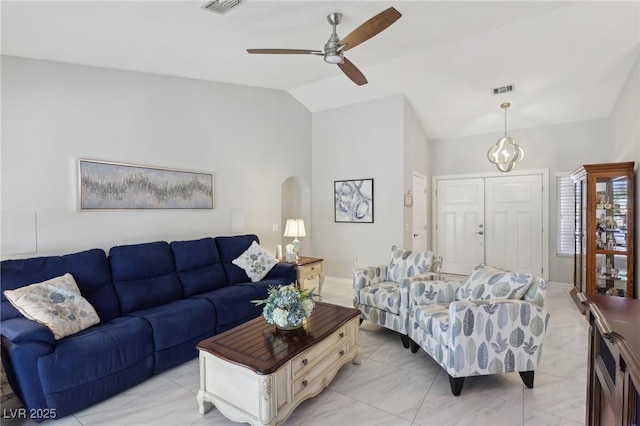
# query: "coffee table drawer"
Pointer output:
{"type": "Point", "coordinates": [313, 377]}
{"type": "Point", "coordinates": [310, 357]}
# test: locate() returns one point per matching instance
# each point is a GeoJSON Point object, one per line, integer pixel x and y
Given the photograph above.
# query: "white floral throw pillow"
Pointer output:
{"type": "Point", "coordinates": [56, 304]}
{"type": "Point", "coordinates": [489, 282]}
{"type": "Point", "coordinates": [407, 263]}
{"type": "Point", "coordinates": [256, 262]}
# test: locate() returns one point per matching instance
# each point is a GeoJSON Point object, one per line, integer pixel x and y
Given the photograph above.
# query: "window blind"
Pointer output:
{"type": "Point", "coordinates": [565, 208]}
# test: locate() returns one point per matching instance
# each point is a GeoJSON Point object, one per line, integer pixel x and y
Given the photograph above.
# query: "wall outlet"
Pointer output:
{"type": "Point", "coordinates": [275, 227]}
{"type": "Point", "coordinates": [357, 260]}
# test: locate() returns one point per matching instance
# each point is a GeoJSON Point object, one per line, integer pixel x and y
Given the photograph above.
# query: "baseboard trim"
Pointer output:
{"type": "Point", "coordinates": [339, 280]}
{"type": "Point", "coordinates": [566, 286]}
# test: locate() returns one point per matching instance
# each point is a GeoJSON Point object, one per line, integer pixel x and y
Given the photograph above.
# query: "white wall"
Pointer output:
{"type": "Point", "coordinates": [557, 148]}
{"type": "Point", "coordinates": [252, 139]}
{"type": "Point", "coordinates": [355, 142]}
{"type": "Point", "coordinates": [416, 159]}
{"type": "Point", "coordinates": [625, 143]}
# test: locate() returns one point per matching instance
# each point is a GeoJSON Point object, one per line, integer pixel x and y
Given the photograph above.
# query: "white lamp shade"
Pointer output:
{"type": "Point", "coordinates": [295, 228]}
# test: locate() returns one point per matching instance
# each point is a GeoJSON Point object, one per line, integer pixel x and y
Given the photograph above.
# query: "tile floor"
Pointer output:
{"type": "Point", "coordinates": [391, 386]}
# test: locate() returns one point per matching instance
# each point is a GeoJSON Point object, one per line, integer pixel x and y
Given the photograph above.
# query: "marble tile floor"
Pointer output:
{"type": "Point", "coordinates": [391, 386]}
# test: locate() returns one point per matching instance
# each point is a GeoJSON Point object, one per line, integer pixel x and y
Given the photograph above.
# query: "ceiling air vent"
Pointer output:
{"type": "Point", "coordinates": [220, 6]}
{"type": "Point", "coordinates": [504, 89]}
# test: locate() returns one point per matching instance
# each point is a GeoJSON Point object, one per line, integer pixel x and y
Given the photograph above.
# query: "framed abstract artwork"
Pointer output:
{"type": "Point", "coordinates": [117, 186]}
{"type": "Point", "coordinates": [353, 200]}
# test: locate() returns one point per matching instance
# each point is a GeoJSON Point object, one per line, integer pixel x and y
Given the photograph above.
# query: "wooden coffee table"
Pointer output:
{"type": "Point", "coordinates": [257, 374]}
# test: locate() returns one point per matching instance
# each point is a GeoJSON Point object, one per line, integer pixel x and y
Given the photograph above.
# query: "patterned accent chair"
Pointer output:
{"type": "Point", "coordinates": [492, 322]}
{"type": "Point", "coordinates": [381, 292]}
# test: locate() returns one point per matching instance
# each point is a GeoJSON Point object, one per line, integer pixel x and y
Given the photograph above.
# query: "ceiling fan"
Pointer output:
{"type": "Point", "coordinates": [334, 48]}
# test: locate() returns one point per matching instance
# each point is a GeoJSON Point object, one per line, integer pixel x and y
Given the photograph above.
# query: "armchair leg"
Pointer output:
{"type": "Point", "coordinates": [414, 347]}
{"type": "Point", "coordinates": [405, 340]}
{"type": "Point", "coordinates": [456, 385]}
{"type": "Point", "coordinates": [527, 378]}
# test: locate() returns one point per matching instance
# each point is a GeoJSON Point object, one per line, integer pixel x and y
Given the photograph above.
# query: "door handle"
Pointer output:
{"type": "Point", "coordinates": [480, 233]}
{"type": "Point", "coordinates": [415, 235]}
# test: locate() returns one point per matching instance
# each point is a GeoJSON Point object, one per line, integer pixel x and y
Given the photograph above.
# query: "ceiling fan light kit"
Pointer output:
{"type": "Point", "coordinates": [506, 153]}
{"type": "Point", "coordinates": [334, 48]}
{"type": "Point", "coordinates": [333, 59]}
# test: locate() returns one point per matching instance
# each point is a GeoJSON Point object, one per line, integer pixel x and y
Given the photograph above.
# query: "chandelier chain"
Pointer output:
{"type": "Point", "coordinates": [505, 106]}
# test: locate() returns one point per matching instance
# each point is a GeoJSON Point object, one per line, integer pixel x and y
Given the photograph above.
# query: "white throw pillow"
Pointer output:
{"type": "Point", "coordinates": [407, 263]}
{"type": "Point", "coordinates": [489, 282]}
{"type": "Point", "coordinates": [256, 262]}
{"type": "Point", "coordinates": [56, 304]}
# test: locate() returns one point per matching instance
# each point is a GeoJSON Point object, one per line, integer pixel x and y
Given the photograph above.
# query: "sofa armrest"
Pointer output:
{"type": "Point", "coordinates": [496, 336]}
{"type": "Point", "coordinates": [427, 292]}
{"type": "Point", "coordinates": [536, 292]}
{"type": "Point", "coordinates": [283, 270]}
{"type": "Point", "coordinates": [365, 277]}
{"type": "Point", "coordinates": [22, 329]}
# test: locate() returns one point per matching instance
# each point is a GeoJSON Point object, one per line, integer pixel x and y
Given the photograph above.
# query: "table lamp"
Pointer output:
{"type": "Point", "coordinates": [295, 229]}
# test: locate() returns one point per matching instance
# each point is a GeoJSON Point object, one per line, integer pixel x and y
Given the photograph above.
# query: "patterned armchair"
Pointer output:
{"type": "Point", "coordinates": [381, 292]}
{"type": "Point", "coordinates": [494, 322]}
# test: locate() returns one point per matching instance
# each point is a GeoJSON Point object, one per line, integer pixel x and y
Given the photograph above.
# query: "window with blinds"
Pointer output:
{"type": "Point", "coordinates": [620, 188]}
{"type": "Point", "coordinates": [565, 207]}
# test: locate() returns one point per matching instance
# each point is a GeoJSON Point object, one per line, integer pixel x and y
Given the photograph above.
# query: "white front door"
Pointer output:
{"type": "Point", "coordinates": [494, 220]}
{"type": "Point", "coordinates": [419, 213]}
{"type": "Point", "coordinates": [513, 228]}
{"type": "Point", "coordinates": [460, 224]}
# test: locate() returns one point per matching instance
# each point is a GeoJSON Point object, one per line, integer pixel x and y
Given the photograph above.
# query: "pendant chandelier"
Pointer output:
{"type": "Point", "coordinates": [506, 153]}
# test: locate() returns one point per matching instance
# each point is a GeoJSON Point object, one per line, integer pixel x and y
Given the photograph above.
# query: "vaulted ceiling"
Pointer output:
{"type": "Point", "coordinates": [567, 60]}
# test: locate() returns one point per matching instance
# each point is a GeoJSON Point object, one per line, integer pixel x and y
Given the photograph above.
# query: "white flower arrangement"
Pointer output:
{"type": "Point", "coordinates": [287, 306]}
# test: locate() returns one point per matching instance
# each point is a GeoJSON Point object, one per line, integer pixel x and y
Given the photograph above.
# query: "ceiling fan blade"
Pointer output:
{"type": "Point", "coordinates": [287, 51]}
{"type": "Point", "coordinates": [373, 26]}
{"type": "Point", "coordinates": [353, 72]}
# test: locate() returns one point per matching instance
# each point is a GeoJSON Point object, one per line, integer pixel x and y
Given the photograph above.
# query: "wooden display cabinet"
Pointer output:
{"type": "Point", "coordinates": [604, 252]}
{"type": "Point", "coordinates": [613, 381]}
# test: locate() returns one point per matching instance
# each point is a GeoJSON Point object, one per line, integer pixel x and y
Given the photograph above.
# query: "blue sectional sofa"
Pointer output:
{"type": "Point", "coordinates": [155, 301]}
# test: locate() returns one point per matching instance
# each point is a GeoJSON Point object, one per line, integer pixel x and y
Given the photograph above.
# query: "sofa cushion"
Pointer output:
{"type": "Point", "coordinates": [384, 296]}
{"type": "Point", "coordinates": [177, 327]}
{"type": "Point", "coordinates": [407, 263]}
{"type": "Point", "coordinates": [96, 364]}
{"type": "Point", "coordinates": [489, 282]}
{"type": "Point", "coordinates": [55, 303]}
{"type": "Point", "coordinates": [144, 275]}
{"type": "Point", "coordinates": [198, 265]}
{"type": "Point", "coordinates": [230, 248]}
{"type": "Point", "coordinates": [233, 305]}
{"type": "Point", "coordinates": [90, 270]}
{"type": "Point", "coordinates": [255, 261]}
